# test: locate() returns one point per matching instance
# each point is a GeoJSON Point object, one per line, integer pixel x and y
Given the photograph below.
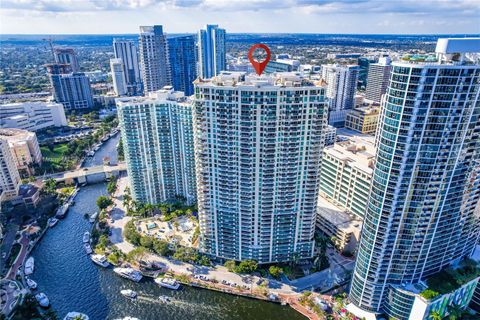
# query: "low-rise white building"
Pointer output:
{"type": "Point", "coordinates": [24, 148]}
{"type": "Point", "coordinates": [347, 168]}
{"type": "Point", "coordinates": [343, 228]}
{"type": "Point", "coordinates": [32, 116]}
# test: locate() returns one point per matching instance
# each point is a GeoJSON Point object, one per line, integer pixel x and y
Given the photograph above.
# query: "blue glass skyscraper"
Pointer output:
{"type": "Point", "coordinates": [182, 60]}
{"type": "Point", "coordinates": [211, 51]}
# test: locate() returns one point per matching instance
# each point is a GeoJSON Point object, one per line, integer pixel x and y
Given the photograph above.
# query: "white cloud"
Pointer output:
{"type": "Point", "coordinates": [315, 16]}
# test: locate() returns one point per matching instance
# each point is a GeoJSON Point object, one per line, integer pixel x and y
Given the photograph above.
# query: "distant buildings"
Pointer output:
{"type": "Point", "coordinates": [9, 176]}
{"type": "Point", "coordinates": [118, 77]}
{"type": "Point", "coordinates": [346, 173]}
{"type": "Point", "coordinates": [363, 119]}
{"type": "Point", "coordinates": [258, 145]}
{"type": "Point", "coordinates": [183, 64]}
{"type": "Point", "coordinates": [378, 76]}
{"type": "Point", "coordinates": [211, 51]}
{"type": "Point", "coordinates": [23, 147]}
{"type": "Point", "coordinates": [341, 85]}
{"type": "Point", "coordinates": [72, 89]}
{"type": "Point", "coordinates": [158, 144]}
{"type": "Point", "coordinates": [32, 116]}
{"type": "Point", "coordinates": [420, 216]}
{"type": "Point", "coordinates": [67, 56]}
{"type": "Point", "coordinates": [154, 64]}
{"type": "Point", "coordinates": [127, 52]}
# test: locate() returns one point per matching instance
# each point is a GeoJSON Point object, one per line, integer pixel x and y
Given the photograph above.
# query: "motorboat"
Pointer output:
{"type": "Point", "coordinates": [29, 266]}
{"type": "Point", "coordinates": [169, 283]}
{"type": "Point", "coordinates": [164, 299]}
{"type": "Point", "coordinates": [42, 300]}
{"type": "Point", "coordinates": [100, 259]}
{"type": "Point", "coordinates": [86, 237]}
{"type": "Point", "coordinates": [76, 316]}
{"type": "Point", "coordinates": [88, 248]}
{"type": "Point", "coordinates": [90, 153]}
{"type": "Point", "coordinates": [93, 217]}
{"type": "Point", "coordinates": [52, 222]}
{"type": "Point", "coordinates": [31, 284]}
{"type": "Point", "coordinates": [129, 293]}
{"type": "Point", "coordinates": [129, 273]}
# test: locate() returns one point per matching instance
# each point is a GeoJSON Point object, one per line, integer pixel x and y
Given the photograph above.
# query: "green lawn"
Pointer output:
{"type": "Point", "coordinates": [56, 155]}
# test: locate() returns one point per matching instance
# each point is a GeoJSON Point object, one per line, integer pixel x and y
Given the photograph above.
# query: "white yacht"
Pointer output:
{"type": "Point", "coordinates": [91, 153]}
{"type": "Point", "coordinates": [76, 316]}
{"type": "Point", "coordinates": [129, 273]}
{"type": "Point", "coordinates": [100, 259]}
{"type": "Point", "coordinates": [52, 222]}
{"type": "Point", "coordinates": [86, 237]}
{"type": "Point", "coordinates": [93, 217]}
{"type": "Point", "coordinates": [129, 293]}
{"type": "Point", "coordinates": [88, 248]}
{"type": "Point", "coordinates": [31, 284]}
{"type": "Point", "coordinates": [42, 300]}
{"type": "Point", "coordinates": [29, 266]}
{"type": "Point", "coordinates": [169, 283]}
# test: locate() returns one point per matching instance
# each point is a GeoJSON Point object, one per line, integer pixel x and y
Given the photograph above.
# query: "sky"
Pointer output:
{"type": "Point", "coordinates": [241, 16]}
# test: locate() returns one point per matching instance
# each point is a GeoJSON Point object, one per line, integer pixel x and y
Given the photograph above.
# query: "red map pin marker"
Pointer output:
{"type": "Point", "coordinates": [259, 66]}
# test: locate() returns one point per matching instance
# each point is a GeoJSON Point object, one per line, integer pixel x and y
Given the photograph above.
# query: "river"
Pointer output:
{"type": "Point", "coordinates": [73, 283]}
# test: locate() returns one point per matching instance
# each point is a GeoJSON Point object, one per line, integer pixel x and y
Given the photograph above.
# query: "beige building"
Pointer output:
{"type": "Point", "coordinates": [346, 171]}
{"type": "Point", "coordinates": [343, 228]}
{"type": "Point", "coordinates": [363, 119]}
{"type": "Point", "coordinates": [9, 176]}
{"type": "Point", "coordinates": [23, 147]}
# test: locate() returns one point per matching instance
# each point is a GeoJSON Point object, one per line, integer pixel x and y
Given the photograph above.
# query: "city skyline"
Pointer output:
{"type": "Point", "coordinates": [395, 17]}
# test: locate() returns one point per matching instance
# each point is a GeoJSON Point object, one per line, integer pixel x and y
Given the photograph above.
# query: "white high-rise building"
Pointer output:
{"type": "Point", "coordinates": [377, 81]}
{"type": "Point", "coordinates": [420, 216]}
{"type": "Point", "coordinates": [154, 61]}
{"type": "Point", "coordinates": [32, 116]}
{"type": "Point", "coordinates": [211, 51]}
{"type": "Point", "coordinates": [9, 176]}
{"type": "Point", "coordinates": [258, 148]}
{"type": "Point", "coordinates": [127, 51]}
{"type": "Point", "coordinates": [157, 136]}
{"type": "Point", "coordinates": [24, 148]}
{"type": "Point", "coordinates": [118, 77]}
{"type": "Point", "coordinates": [341, 85]}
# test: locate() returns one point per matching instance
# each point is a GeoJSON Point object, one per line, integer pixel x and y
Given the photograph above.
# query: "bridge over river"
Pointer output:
{"type": "Point", "coordinates": [88, 175]}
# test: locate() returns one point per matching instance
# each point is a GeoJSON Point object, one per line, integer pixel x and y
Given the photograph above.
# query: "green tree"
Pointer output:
{"type": "Point", "coordinates": [112, 186]}
{"type": "Point", "coordinates": [114, 258]}
{"type": "Point", "coordinates": [50, 186]}
{"type": "Point", "coordinates": [246, 266]}
{"type": "Point", "coordinates": [205, 261]}
{"type": "Point", "coordinates": [275, 271]}
{"type": "Point", "coordinates": [104, 202]}
{"type": "Point", "coordinates": [131, 234]}
{"type": "Point", "coordinates": [230, 265]}
{"type": "Point", "coordinates": [136, 254]}
{"type": "Point", "coordinates": [146, 242]}
{"type": "Point", "coordinates": [435, 315]}
{"type": "Point", "coordinates": [161, 247]}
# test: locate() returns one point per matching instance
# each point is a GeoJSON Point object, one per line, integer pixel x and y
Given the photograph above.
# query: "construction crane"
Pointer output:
{"type": "Point", "coordinates": [50, 43]}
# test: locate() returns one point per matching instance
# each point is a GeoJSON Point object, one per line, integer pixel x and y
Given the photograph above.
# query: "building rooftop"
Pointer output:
{"type": "Point", "coordinates": [241, 79]}
{"type": "Point", "coordinates": [337, 216]}
{"type": "Point", "coordinates": [368, 110]}
{"type": "Point", "coordinates": [357, 149]}
{"type": "Point", "coordinates": [165, 94]}
{"type": "Point", "coordinates": [15, 135]}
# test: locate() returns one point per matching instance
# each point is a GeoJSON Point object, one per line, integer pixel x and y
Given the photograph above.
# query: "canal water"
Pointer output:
{"type": "Point", "coordinates": [73, 283]}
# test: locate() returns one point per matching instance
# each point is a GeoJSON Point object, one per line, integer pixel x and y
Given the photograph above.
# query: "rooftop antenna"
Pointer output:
{"type": "Point", "coordinates": [50, 43]}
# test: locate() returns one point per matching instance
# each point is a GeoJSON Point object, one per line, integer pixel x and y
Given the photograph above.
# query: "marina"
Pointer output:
{"type": "Point", "coordinates": [64, 273]}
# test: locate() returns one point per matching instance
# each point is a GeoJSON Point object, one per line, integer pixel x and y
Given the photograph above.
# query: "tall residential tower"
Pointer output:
{"type": "Point", "coordinates": [211, 51]}
{"type": "Point", "coordinates": [182, 60]}
{"type": "Point", "coordinates": [127, 51]}
{"type": "Point", "coordinates": [154, 58]}
{"type": "Point", "coordinates": [258, 147]}
{"type": "Point", "coordinates": [378, 76]}
{"type": "Point", "coordinates": [157, 136]}
{"type": "Point", "coordinates": [426, 183]}
{"type": "Point", "coordinates": [118, 77]}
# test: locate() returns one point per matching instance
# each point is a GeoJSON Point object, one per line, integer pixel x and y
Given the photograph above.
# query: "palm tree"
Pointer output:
{"type": "Point", "coordinates": [435, 315]}
{"type": "Point", "coordinates": [455, 312]}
